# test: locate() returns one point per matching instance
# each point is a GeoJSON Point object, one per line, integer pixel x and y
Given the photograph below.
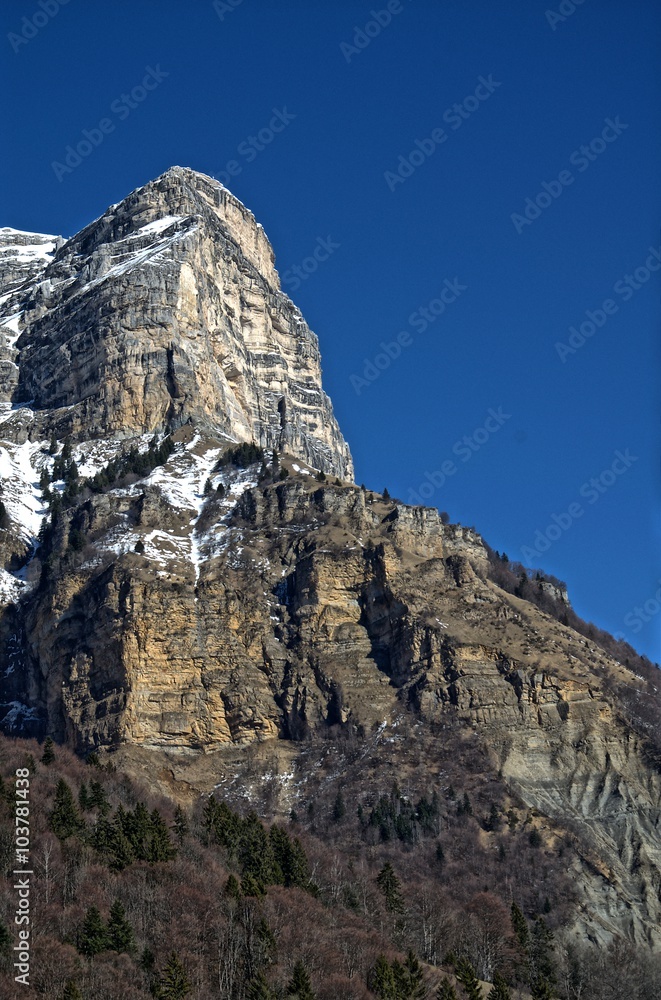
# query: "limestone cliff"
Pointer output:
{"type": "Point", "coordinates": [166, 309]}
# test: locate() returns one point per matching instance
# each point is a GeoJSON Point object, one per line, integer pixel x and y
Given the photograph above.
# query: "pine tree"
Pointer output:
{"type": "Point", "coordinates": [386, 494]}
{"type": "Point", "coordinates": [389, 885]}
{"type": "Point", "coordinates": [65, 819]}
{"type": "Point", "coordinates": [180, 825]}
{"type": "Point", "coordinates": [446, 991]}
{"type": "Point", "coordinates": [500, 989]}
{"type": "Point", "coordinates": [71, 991]}
{"type": "Point", "coordinates": [519, 925]}
{"type": "Point", "coordinates": [259, 989]}
{"type": "Point", "coordinates": [173, 984]}
{"type": "Point", "coordinates": [92, 934]}
{"type": "Point", "coordinates": [233, 888]}
{"type": "Point", "coordinates": [120, 932]}
{"type": "Point", "coordinates": [409, 978]}
{"type": "Point", "coordinates": [83, 797]}
{"type": "Point", "coordinates": [465, 974]}
{"type": "Point", "coordinates": [300, 986]}
{"type": "Point", "coordinates": [97, 798]}
{"type": "Point", "coordinates": [48, 756]}
{"type": "Point", "coordinates": [540, 989]}
{"type": "Point", "coordinates": [339, 808]}
{"type": "Point", "coordinates": [159, 845]}
{"type": "Point", "coordinates": [381, 979]}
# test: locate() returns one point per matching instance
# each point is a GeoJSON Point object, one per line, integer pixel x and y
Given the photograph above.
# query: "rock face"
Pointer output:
{"type": "Point", "coordinates": [165, 310]}
{"type": "Point", "coordinates": [168, 617]}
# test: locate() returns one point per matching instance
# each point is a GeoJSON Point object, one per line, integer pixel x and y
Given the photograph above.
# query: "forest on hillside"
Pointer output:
{"type": "Point", "coordinates": [134, 896]}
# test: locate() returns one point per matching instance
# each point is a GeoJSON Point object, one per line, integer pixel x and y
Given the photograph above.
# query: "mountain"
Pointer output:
{"type": "Point", "coordinates": [210, 616]}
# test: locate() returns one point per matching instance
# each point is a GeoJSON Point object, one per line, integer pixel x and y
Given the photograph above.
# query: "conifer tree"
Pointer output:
{"type": "Point", "coordinates": [446, 991]}
{"type": "Point", "coordinates": [300, 986]}
{"type": "Point", "coordinates": [339, 808]}
{"type": "Point", "coordinates": [519, 926]}
{"type": "Point", "coordinates": [409, 979]}
{"type": "Point", "coordinates": [465, 974]}
{"type": "Point", "coordinates": [92, 934]}
{"type": "Point", "coordinates": [120, 932]}
{"type": "Point", "coordinates": [48, 755]}
{"type": "Point", "coordinates": [173, 984]}
{"type": "Point", "coordinates": [389, 885]}
{"type": "Point", "coordinates": [500, 989]}
{"type": "Point", "coordinates": [83, 797]}
{"type": "Point", "coordinates": [259, 989]}
{"type": "Point", "coordinates": [180, 825]}
{"type": "Point", "coordinates": [159, 845]}
{"type": "Point", "coordinates": [98, 799]}
{"type": "Point", "coordinates": [233, 888]}
{"type": "Point", "coordinates": [65, 819]}
{"type": "Point", "coordinates": [381, 979]}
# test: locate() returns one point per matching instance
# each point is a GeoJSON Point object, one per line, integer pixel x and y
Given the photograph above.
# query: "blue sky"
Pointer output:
{"type": "Point", "coordinates": [411, 136]}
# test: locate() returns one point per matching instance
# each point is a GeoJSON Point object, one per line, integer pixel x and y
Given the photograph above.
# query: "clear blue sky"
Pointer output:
{"type": "Point", "coordinates": [360, 103]}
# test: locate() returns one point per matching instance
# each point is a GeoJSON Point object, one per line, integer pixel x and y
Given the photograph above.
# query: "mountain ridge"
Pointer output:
{"type": "Point", "coordinates": [196, 610]}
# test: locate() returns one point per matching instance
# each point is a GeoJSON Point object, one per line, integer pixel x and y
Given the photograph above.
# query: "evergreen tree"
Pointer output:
{"type": "Point", "coordinates": [180, 825]}
{"type": "Point", "coordinates": [519, 925]}
{"type": "Point", "coordinates": [339, 808]}
{"type": "Point", "coordinates": [97, 798]}
{"type": "Point", "coordinates": [381, 979]}
{"type": "Point", "coordinates": [541, 964]}
{"type": "Point", "coordinates": [71, 991]}
{"type": "Point", "coordinates": [233, 888]}
{"type": "Point", "coordinates": [52, 448]}
{"type": "Point", "coordinates": [540, 989]}
{"type": "Point", "coordinates": [389, 885]}
{"type": "Point", "coordinates": [147, 960]}
{"type": "Point", "coordinates": [409, 979]}
{"type": "Point", "coordinates": [300, 986]}
{"type": "Point", "coordinates": [92, 934]}
{"type": "Point", "coordinates": [500, 989]}
{"type": "Point", "coordinates": [83, 797]}
{"type": "Point", "coordinates": [159, 845]}
{"type": "Point", "coordinates": [259, 989]}
{"type": "Point", "coordinates": [48, 755]}
{"type": "Point", "coordinates": [386, 494]}
{"type": "Point", "coordinates": [465, 974]}
{"type": "Point", "coordinates": [64, 819]}
{"type": "Point", "coordinates": [120, 932]}
{"type": "Point", "coordinates": [173, 984]}
{"type": "Point", "coordinates": [446, 991]}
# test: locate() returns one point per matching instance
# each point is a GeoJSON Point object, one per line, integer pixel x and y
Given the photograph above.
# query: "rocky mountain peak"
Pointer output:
{"type": "Point", "coordinates": [165, 310]}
